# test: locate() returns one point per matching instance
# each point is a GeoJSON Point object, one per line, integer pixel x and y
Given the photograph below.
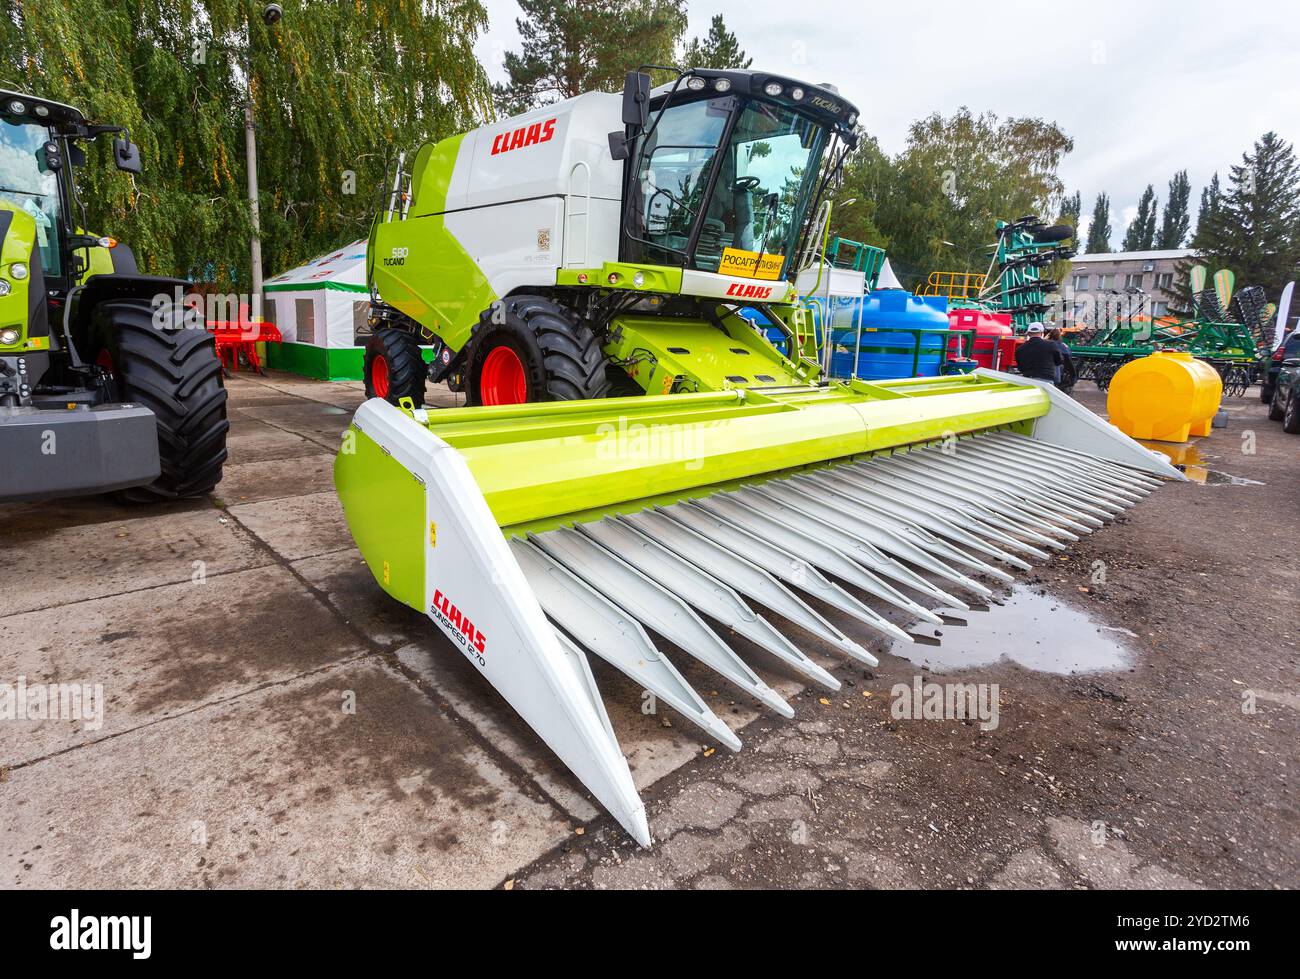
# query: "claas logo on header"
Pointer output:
{"type": "Point", "coordinates": [538, 132]}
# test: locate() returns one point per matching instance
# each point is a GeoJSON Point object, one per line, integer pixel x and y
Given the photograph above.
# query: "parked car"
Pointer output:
{"type": "Point", "coordinates": [1288, 348]}
{"type": "Point", "coordinates": [1285, 406]}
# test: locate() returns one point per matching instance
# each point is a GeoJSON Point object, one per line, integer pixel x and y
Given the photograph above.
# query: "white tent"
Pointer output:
{"type": "Point", "coordinates": [320, 309]}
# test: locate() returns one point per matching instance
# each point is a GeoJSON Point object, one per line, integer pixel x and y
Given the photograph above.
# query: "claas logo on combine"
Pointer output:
{"type": "Point", "coordinates": [749, 292]}
{"type": "Point", "coordinates": [458, 623]}
{"type": "Point", "coordinates": [538, 132]}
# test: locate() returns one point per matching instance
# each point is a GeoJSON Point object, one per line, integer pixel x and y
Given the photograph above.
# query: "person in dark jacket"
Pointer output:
{"type": "Point", "coordinates": [1038, 357]}
{"type": "Point", "coordinates": [1065, 374]}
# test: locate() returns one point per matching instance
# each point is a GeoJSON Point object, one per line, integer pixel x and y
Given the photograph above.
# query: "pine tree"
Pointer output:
{"type": "Point", "coordinates": [1175, 221]}
{"type": "Point", "coordinates": [1141, 234]}
{"type": "Point", "coordinates": [1253, 227]}
{"type": "Point", "coordinates": [1210, 195]}
{"type": "Point", "coordinates": [1099, 231]}
{"type": "Point", "coordinates": [575, 46]}
{"type": "Point", "coordinates": [717, 49]}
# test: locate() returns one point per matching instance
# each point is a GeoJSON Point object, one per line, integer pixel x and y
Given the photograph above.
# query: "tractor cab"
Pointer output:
{"type": "Point", "coordinates": [724, 167]}
{"type": "Point", "coordinates": [39, 146]}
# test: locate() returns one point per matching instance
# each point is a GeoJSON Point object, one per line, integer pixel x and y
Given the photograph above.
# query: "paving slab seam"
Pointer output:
{"type": "Point", "coordinates": [389, 654]}
{"type": "Point", "coordinates": [208, 576]}
{"type": "Point", "coordinates": [216, 702]}
{"type": "Point", "coordinates": [306, 438]}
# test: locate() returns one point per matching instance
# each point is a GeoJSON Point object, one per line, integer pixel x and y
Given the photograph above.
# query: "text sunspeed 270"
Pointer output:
{"type": "Point", "coordinates": [538, 132]}
{"type": "Point", "coordinates": [458, 624]}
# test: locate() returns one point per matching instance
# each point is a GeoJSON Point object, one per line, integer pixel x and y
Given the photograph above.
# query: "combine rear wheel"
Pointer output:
{"type": "Point", "coordinates": [174, 372]}
{"type": "Point", "coordinates": [531, 349]}
{"type": "Point", "coordinates": [394, 367]}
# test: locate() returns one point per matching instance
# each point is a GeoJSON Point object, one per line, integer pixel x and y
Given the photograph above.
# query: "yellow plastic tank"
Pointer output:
{"type": "Point", "coordinates": [1169, 397]}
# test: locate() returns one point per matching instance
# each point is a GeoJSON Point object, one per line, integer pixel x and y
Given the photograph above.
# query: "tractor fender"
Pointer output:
{"type": "Point", "coordinates": [157, 289]}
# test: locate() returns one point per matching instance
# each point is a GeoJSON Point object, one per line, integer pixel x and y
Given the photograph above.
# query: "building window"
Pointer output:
{"type": "Point", "coordinates": [1164, 281]}
{"type": "Point", "coordinates": [1133, 280]}
{"type": "Point", "coordinates": [305, 318]}
{"type": "Point", "coordinates": [1159, 309]}
{"type": "Point", "coordinates": [1081, 283]}
{"type": "Point", "coordinates": [360, 322]}
{"type": "Point", "coordinates": [1106, 281]}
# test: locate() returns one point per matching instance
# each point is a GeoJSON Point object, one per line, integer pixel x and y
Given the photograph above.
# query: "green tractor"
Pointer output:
{"type": "Point", "coordinates": [107, 383]}
{"type": "Point", "coordinates": [606, 246]}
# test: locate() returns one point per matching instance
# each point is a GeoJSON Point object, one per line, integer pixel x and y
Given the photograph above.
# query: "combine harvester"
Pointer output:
{"type": "Point", "coordinates": [746, 497]}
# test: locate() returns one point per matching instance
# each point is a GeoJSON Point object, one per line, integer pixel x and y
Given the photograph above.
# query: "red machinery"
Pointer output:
{"type": "Point", "coordinates": [994, 345]}
{"type": "Point", "coordinates": [241, 336]}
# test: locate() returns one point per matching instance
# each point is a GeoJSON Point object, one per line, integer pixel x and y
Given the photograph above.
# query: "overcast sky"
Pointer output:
{"type": "Point", "coordinates": [1144, 87]}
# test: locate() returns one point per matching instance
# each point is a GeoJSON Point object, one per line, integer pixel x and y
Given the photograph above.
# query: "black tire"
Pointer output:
{"type": "Point", "coordinates": [1265, 393]}
{"type": "Point", "coordinates": [1291, 417]}
{"type": "Point", "coordinates": [172, 369]}
{"type": "Point", "coordinates": [559, 351]}
{"type": "Point", "coordinates": [1275, 409]}
{"type": "Point", "coordinates": [402, 364]}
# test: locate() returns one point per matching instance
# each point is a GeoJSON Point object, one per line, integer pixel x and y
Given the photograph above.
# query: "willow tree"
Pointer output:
{"type": "Point", "coordinates": [336, 87]}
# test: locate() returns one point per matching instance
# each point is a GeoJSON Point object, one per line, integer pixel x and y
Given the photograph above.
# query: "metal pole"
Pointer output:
{"type": "Point", "coordinates": [255, 240]}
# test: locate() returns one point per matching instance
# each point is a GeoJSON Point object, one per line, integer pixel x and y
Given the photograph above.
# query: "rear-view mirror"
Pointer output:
{"type": "Point", "coordinates": [126, 155]}
{"type": "Point", "coordinates": [636, 99]}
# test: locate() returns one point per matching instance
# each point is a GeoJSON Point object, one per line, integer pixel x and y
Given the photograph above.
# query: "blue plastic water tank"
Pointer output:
{"type": "Point", "coordinates": [885, 351]}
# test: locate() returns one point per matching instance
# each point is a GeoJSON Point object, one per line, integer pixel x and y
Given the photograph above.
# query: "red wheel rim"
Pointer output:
{"type": "Point", "coordinates": [105, 360]}
{"type": "Point", "coordinates": [379, 376]}
{"type": "Point", "coordinates": [503, 381]}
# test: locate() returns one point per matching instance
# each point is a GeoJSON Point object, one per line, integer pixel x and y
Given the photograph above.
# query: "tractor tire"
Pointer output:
{"type": "Point", "coordinates": [394, 368]}
{"type": "Point", "coordinates": [1291, 417]}
{"type": "Point", "coordinates": [173, 371]}
{"type": "Point", "coordinates": [528, 348]}
{"type": "Point", "coordinates": [1275, 408]}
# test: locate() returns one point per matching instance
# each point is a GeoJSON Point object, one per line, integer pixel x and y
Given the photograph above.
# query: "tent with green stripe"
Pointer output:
{"type": "Point", "coordinates": [321, 310]}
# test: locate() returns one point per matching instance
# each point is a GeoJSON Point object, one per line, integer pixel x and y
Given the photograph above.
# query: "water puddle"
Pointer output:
{"type": "Point", "coordinates": [1212, 477]}
{"type": "Point", "coordinates": [1188, 458]}
{"type": "Point", "coordinates": [1037, 631]}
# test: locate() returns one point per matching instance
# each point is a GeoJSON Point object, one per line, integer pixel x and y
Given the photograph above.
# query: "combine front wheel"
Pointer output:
{"type": "Point", "coordinates": [529, 348]}
{"type": "Point", "coordinates": [394, 367]}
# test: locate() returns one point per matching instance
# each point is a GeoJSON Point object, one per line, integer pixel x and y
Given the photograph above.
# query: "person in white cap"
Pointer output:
{"type": "Point", "coordinates": [1038, 357]}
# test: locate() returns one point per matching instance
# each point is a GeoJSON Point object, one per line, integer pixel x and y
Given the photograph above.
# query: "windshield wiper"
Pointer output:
{"type": "Point", "coordinates": [28, 193]}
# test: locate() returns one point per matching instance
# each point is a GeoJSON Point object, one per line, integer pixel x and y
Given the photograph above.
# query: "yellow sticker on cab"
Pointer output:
{"type": "Point", "coordinates": [737, 261]}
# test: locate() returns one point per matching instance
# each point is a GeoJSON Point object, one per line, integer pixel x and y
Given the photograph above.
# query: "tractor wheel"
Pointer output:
{"type": "Point", "coordinates": [175, 373]}
{"type": "Point", "coordinates": [531, 349]}
{"type": "Point", "coordinates": [394, 367]}
{"type": "Point", "coordinates": [1275, 408]}
{"type": "Point", "coordinates": [1291, 417]}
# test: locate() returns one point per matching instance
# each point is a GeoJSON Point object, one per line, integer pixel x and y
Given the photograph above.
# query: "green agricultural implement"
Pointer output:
{"type": "Point", "coordinates": [1225, 329]}
{"type": "Point", "coordinates": [731, 515]}
{"type": "Point", "coordinates": [1014, 282]}
{"type": "Point", "coordinates": [105, 383]}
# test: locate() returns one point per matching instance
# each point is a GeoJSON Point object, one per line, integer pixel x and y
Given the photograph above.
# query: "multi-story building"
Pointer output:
{"type": "Point", "coordinates": [1105, 285]}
